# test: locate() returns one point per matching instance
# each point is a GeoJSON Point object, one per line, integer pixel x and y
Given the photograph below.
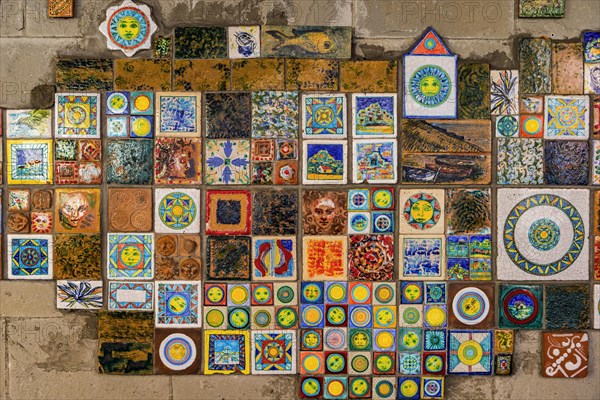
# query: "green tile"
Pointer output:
{"type": "Point", "coordinates": [474, 91]}
{"type": "Point", "coordinates": [520, 307]}
{"type": "Point", "coordinates": [84, 74]}
{"type": "Point", "coordinates": [163, 47]}
{"type": "Point", "coordinates": [541, 8]}
{"type": "Point", "coordinates": [567, 307]}
{"type": "Point", "coordinates": [535, 58]}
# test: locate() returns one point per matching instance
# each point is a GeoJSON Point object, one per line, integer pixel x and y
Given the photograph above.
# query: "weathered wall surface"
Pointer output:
{"type": "Point", "coordinates": [47, 354]}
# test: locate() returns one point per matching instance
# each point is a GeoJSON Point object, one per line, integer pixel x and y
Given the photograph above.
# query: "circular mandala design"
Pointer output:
{"type": "Point", "coordinates": [336, 293]}
{"type": "Point", "coordinates": [335, 388]}
{"type": "Point", "coordinates": [177, 351]}
{"type": "Point", "coordinates": [311, 339]}
{"type": "Point", "coordinates": [360, 387]}
{"type": "Point", "coordinates": [273, 352]}
{"type": "Point", "coordinates": [360, 317]}
{"type": "Point", "coordinates": [524, 253]}
{"type": "Point", "coordinates": [76, 115]}
{"type": "Point", "coordinates": [177, 210]}
{"type": "Point", "coordinates": [128, 28]}
{"type": "Point", "coordinates": [432, 388]}
{"type": "Point", "coordinates": [360, 363]}
{"type": "Point", "coordinates": [262, 318]}
{"type": "Point", "coordinates": [285, 294]}
{"type": "Point", "coordinates": [117, 103]}
{"type": "Point", "coordinates": [142, 103]}
{"type": "Point", "coordinates": [422, 211]}
{"type": "Point", "coordinates": [358, 200]}
{"type": "Point", "coordinates": [544, 234]}
{"type": "Point", "coordinates": [520, 306]}
{"type": "Point", "coordinates": [384, 389]}
{"type": "Point", "coordinates": [383, 223]}
{"type": "Point", "coordinates": [567, 115]}
{"type": "Point", "coordinates": [287, 317]}
{"type": "Point", "coordinates": [312, 315]}
{"type": "Point", "coordinates": [470, 352]}
{"type": "Point", "coordinates": [435, 293]}
{"type": "Point", "coordinates": [532, 126]}
{"type": "Point", "coordinates": [471, 305]}
{"type": "Point", "coordinates": [360, 293]}
{"type": "Point", "coordinates": [409, 388]}
{"type": "Point", "coordinates": [324, 115]}
{"type": "Point", "coordinates": [384, 362]}
{"type": "Point", "coordinates": [507, 125]}
{"type": "Point", "coordinates": [430, 86]}
{"type": "Point", "coordinates": [311, 387]}
{"type": "Point", "coordinates": [239, 318]}
{"type": "Point", "coordinates": [382, 198]}
{"type": "Point", "coordinates": [215, 318]}
{"type": "Point", "coordinates": [30, 257]}
{"type": "Point", "coordinates": [336, 315]}
{"type": "Point", "coordinates": [434, 363]}
{"type": "Point", "coordinates": [359, 222]}
{"type": "Point", "coordinates": [335, 339]}
{"type": "Point", "coordinates": [411, 315]}
{"type": "Point", "coordinates": [384, 293]}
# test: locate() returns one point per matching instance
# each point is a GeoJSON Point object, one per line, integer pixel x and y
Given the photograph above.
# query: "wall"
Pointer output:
{"type": "Point", "coordinates": [49, 354]}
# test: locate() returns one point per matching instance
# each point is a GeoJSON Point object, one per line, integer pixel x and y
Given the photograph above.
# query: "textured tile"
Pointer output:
{"type": "Point", "coordinates": [306, 41]}
{"type": "Point", "coordinates": [535, 57]}
{"type": "Point", "coordinates": [84, 74]}
{"type": "Point", "coordinates": [473, 89]}
{"type": "Point", "coordinates": [129, 162]}
{"type": "Point", "coordinates": [368, 76]}
{"type": "Point", "coordinates": [228, 115]}
{"type": "Point", "coordinates": [520, 161]}
{"type": "Point", "coordinates": [274, 212]}
{"type": "Point", "coordinates": [77, 256]}
{"type": "Point", "coordinates": [142, 74]}
{"type": "Point", "coordinates": [201, 42]}
{"type": "Point", "coordinates": [163, 47]}
{"type": "Point", "coordinates": [567, 69]}
{"type": "Point", "coordinates": [568, 307]}
{"type": "Point", "coordinates": [201, 75]}
{"type": "Point", "coordinates": [541, 8]}
{"type": "Point", "coordinates": [309, 74]}
{"type": "Point", "coordinates": [258, 74]}
{"type": "Point", "coordinates": [566, 162]}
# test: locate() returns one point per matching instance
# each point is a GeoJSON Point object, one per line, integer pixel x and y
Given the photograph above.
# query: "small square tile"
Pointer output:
{"type": "Point", "coordinates": [520, 161]}
{"type": "Point", "coordinates": [262, 317]}
{"type": "Point", "coordinates": [275, 114]}
{"type": "Point", "coordinates": [384, 388]}
{"type": "Point", "coordinates": [567, 307]}
{"type": "Point", "coordinates": [374, 115]}
{"type": "Point", "coordinates": [78, 295]}
{"type": "Point", "coordinates": [435, 316]}
{"type": "Point", "coordinates": [29, 162]}
{"type": "Point", "coordinates": [200, 42]}
{"type": "Point", "coordinates": [19, 200]}
{"type": "Point", "coordinates": [360, 293]}
{"type": "Point", "coordinates": [409, 388]}
{"type": "Point", "coordinates": [244, 41]}
{"type": "Point", "coordinates": [335, 338]}
{"type": "Point", "coordinates": [503, 364]}
{"type": "Point", "coordinates": [409, 363]}
{"type": "Point", "coordinates": [434, 339]}
{"type": "Point", "coordinates": [335, 387]}
{"type": "Point", "coordinates": [374, 161]}
{"type": "Point", "coordinates": [384, 339]}
{"type": "Point", "coordinates": [432, 387]}
{"type": "Point", "coordinates": [142, 103]}
{"type": "Point", "coordinates": [273, 352]}
{"type": "Point", "coordinates": [359, 387]}
{"type": "Point", "coordinates": [567, 117]}
{"type": "Point", "coordinates": [423, 257]}
{"type": "Point", "coordinates": [228, 258]}
{"type": "Point", "coordinates": [359, 363]}
{"type": "Point", "coordinates": [591, 85]}
{"type": "Point", "coordinates": [312, 293]}
{"type": "Point", "coordinates": [472, 306]}
{"type": "Point", "coordinates": [335, 362]}
{"type": "Point", "coordinates": [507, 126]}
{"type": "Point", "coordinates": [274, 258]}
{"type": "Point", "coordinates": [371, 257]}
{"type": "Point", "coordinates": [324, 116]}
{"type": "Point", "coordinates": [141, 127]}
{"type": "Point", "coordinates": [77, 210]}
{"type": "Point", "coordinates": [312, 363]}
{"type": "Point", "coordinates": [178, 114]}
{"type": "Point", "coordinates": [565, 355]}
{"type": "Point", "coordinates": [238, 318]}
{"type": "Point", "coordinates": [177, 210]}
{"type": "Point", "coordinates": [130, 256]}
{"type": "Point", "coordinates": [60, 9]}
{"type": "Point", "coordinates": [227, 352]}
{"type": "Point", "coordinates": [324, 212]}
{"type": "Point", "coordinates": [410, 339]}
{"type": "Point", "coordinates": [531, 126]}
{"type": "Point", "coordinates": [470, 352]}
{"type": "Point", "coordinates": [520, 306]}
{"type": "Point", "coordinates": [286, 317]}
{"type": "Point", "coordinates": [227, 162]}
{"type": "Point", "coordinates": [504, 341]}
{"type": "Point", "coordinates": [177, 161]}
{"type": "Point", "coordinates": [324, 258]}
{"type": "Point", "coordinates": [228, 212]}
{"type": "Point", "coordinates": [384, 316]}
{"type": "Point", "coordinates": [411, 292]}
{"type": "Point", "coordinates": [228, 115]}
{"type": "Point", "coordinates": [360, 339]}
{"type": "Point", "coordinates": [41, 222]}
{"type": "Point", "coordinates": [532, 105]}
{"type": "Point", "coordinates": [361, 316]}
{"type": "Point", "coordinates": [163, 47]}
{"type": "Point", "coordinates": [434, 363]}
{"type": "Point", "coordinates": [178, 304]}
{"type": "Point", "coordinates": [129, 162]}
{"type": "Point", "coordinates": [215, 317]}
{"type": "Point", "coordinates": [325, 162]}
{"type": "Point", "coordinates": [77, 115]}
{"type": "Point", "coordinates": [185, 344]}
{"type": "Point", "coordinates": [311, 387]}
{"type": "Point", "coordinates": [77, 257]}
{"type": "Point", "coordinates": [117, 103]}
{"type": "Point", "coordinates": [117, 126]}
{"type": "Point", "coordinates": [131, 296]}
{"type": "Point", "coordinates": [312, 316]}
{"type": "Point", "coordinates": [31, 256]}
{"type": "Point", "coordinates": [596, 306]}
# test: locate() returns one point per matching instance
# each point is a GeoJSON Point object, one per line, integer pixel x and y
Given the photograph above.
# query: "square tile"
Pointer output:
{"type": "Point", "coordinates": [311, 74]}
{"type": "Point", "coordinates": [359, 387]}
{"type": "Point", "coordinates": [567, 69]}
{"type": "Point", "coordinates": [244, 41]}
{"type": "Point", "coordinates": [311, 387]}
{"type": "Point", "coordinates": [374, 161]}
{"type": "Point", "coordinates": [410, 339]}
{"type": "Point", "coordinates": [142, 103]}
{"type": "Point", "coordinates": [228, 212]}
{"type": "Point", "coordinates": [409, 388]}
{"type": "Point", "coordinates": [125, 357]}
{"type": "Point", "coordinates": [141, 127]}
{"type": "Point", "coordinates": [227, 162]}
{"type": "Point", "coordinates": [335, 387]}
{"type": "Point", "coordinates": [312, 292]}
{"type": "Point", "coordinates": [178, 304]}
{"type": "Point", "coordinates": [324, 116]}
{"type": "Point", "coordinates": [228, 115]}
{"type": "Point", "coordinates": [371, 257]}
{"type": "Point", "coordinates": [28, 124]}
{"type": "Point", "coordinates": [432, 387]}
{"type": "Point", "coordinates": [78, 295]}
{"type": "Point", "coordinates": [469, 211]}
{"type": "Point", "coordinates": [262, 317]}
{"type": "Point", "coordinates": [532, 105]}
{"type": "Point", "coordinates": [335, 362]}
{"type": "Point", "coordinates": [227, 352]}
{"type": "Point", "coordinates": [178, 114]}
{"type": "Point", "coordinates": [324, 212]}
{"type": "Point", "coordinates": [77, 210]}
{"type": "Point", "coordinates": [409, 363]}
{"type": "Point", "coordinates": [520, 306]}
{"type": "Point", "coordinates": [228, 258]}
{"type": "Point", "coordinates": [41, 222]}
{"type": "Point", "coordinates": [423, 257]}
{"type": "Point", "coordinates": [470, 352]}
{"type": "Point", "coordinates": [531, 126]}
{"type": "Point", "coordinates": [567, 117]}
{"type": "Point", "coordinates": [504, 92]}
{"type": "Point", "coordinates": [324, 258]}
{"type": "Point", "coordinates": [275, 114]}
{"type": "Point", "coordinates": [215, 317]}
{"type": "Point", "coordinates": [131, 296]}
{"type": "Point", "coordinates": [29, 162]}
{"type": "Point", "coordinates": [591, 84]}
{"type": "Point", "coordinates": [422, 211]}
{"type": "Point", "coordinates": [312, 316]}
{"type": "Point", "coordinates": [130, 256]}
{"type": "Point", "coordinates": [434, 363]}
{"type": "Point", "coordinates": [522, 215]}
{"type": "Point", "coordinates": [359, 363]}
{"type": "Point", "coordinates": [507, 126]}
{"type": "Point", "coordinates": [434, 339]}
{"type": "Point", "coordinates": [200, 42]}
{"type": "Point", "coordinates": [504, 341]}
{"type": "Point", "coordinates": [129, 162]}
{"type": "Point", "coordinates": [117, 103]}
{"type": "Point", "coordinates": [374, 115]}
{"type": "Point", "coordinates": [384, 388]}
{"type": "Point", "coordinates": [325, 162]}
{"type": "Point", "coordinates": [117, 126]}
{"type": "Point", "coordinates": [568, 307]}
{"type": "Point", "coordinates": [77, 257]}
{"type": "Point", "coordinates": [177, 210]}
{"type": "Point", "coordinates": [274, 212]}
{"type": "Point", "coordinates": [273, 352]}
{"type": "Point", "coordinates": [77, 115]}
{"type": "Point", "coordinates": [162, 47]}
{"type": "Point", "coordinates": [312, 363]}
{"type": "Point", "coordinates": [435, 316]}
{"type": "Point", "coordinates": [177, 161]}
{"type": "Point", "coordinates": [566, 162]}
{"type": "Point", "coordinates": [31, 256]}
{"type": "Point", "coordinates": [473, 307]}
{"type": "Point", "coordinates": [435, 292]}
{"type": "Point", "coordinates": [19, 199]}
{"type": "Point", "coordinates": [130, 210]}
{"type": "Point", "coordinates": [520, 161]}
{"type": "Point", "coordinates": [274, 258]}
{"type": "Point", "coordinates": [565, 355]}
{"type": "Point", "coordinates": [177, 351]}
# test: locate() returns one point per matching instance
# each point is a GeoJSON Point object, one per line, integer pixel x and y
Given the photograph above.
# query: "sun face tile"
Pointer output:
{"type": "Point", "coordinates": [472, 306]}
{"type": "Point", "coordinates": [30, 256]}
{"type": "Point", "coordinates": [227, 352]}
{"type": "Point", "coordinates": [178, 304]}
{"type": "Point", "coordinates": [130, 256]}
{"type": "Point", "coordinates": [565, 355]}
{"type": "Point", "coordinates": [422, 211]}
{"type": "Point", "coordinates": [311, 387]}
{"type": "Point", "coordinates": [409, 388]}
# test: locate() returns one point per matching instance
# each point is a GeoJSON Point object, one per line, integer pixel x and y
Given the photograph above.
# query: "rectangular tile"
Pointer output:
{"type": "Point", "coordinates": [473, 89]}
{"type": "Point", "coordinates": [200, 42]}
{"type": "Point", "coordinates": [201, 75]}
{"type": "Point", "coordinates": [306, 41]}
{"type": "Point", "coordinates": [567, 69]}
{"type": "Point", "coordinates": [368, 76]}
{"type": "Point", "coordinates": [535, 57]}
{"type": "Point", "coordinates": [258, 74]}
{"type": "Point", "coordinates": [140, 74]}
{"type": "Point", "coordinates": [310, 74]}
{"type": "Point", "coordinates": [84, 74]}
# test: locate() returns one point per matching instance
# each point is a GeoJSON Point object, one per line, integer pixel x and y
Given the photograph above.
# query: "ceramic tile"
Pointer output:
{"type": "Point", "coordinates": [29, 161]}
{"type": "Point", "coordinates": [523, 214]}
{"type": "Point", "coordinates": [535, 58]}
{"type": "Point", "coordinates": [244, 41]}
{"type": "Point", "coordinates": [128, 27]}
{"type": "Point", "coordinates": [228, 258]}
{"type": "Point", "coordinates": [177, 352]}
{"type": "Point", "coordinates": [566, 162]}
{"type": "Point", "coordinates": [470, 352]}
{"type": "Point", "coordinates": [558, 126]}
{"type": "Point", "coordinates": [228, 115]}
{"type": "Point", "coordinates": [274, 212]}
{"type": "Point", "coordinates": [565, 355]}
{"type": "Point", "coordinates": [384, 388]}
{"type": "Point", "coordinates": [504, 92]}
{"type": "Point", "coordinates": [28, 124]}
{"type": "Point", "coordinates": [178, 114]}
{"type": "Point", "coordinates": [368, 76]}
{"type": "Point", "coordinates": [311, 387]}
{"type": "Point", "coordinates": [77, 211]}
{"type": "Point", "coordinates": [567, 72]}
{"type": "Point", "coordinates": [306, 41]}
{"type": "Point", "coordinates": [130, 210]}
{"type": "Point", "coordinates": [177, 161]}
{"type": "Point", "coordinates": [258, 74]}
{"type": "Point", "coordinates": [177, 211]}
{"type": "Point", "coordinates": [129, 162]}
{"type": "Point", "coordinates": [178, 304]}
{"type": "Point", "coordinates": [468, 211]}
{"type": "Point", "coordinates": [200, 42]}
{"type": "Point", "coordinates": [273, 352]}
{"type": "Point", "coordinates": [141, 74]}
{"type": "Point", "coordinates": [312, 74]}
{"type": "Point", "coordinates": [31, 256]}
{"type": "Point", "coordinates": [473, 307]}
{"type": "Point", "coordinates": [324, 116]}
{"type": "Point", "coordinates": [597, 258]}
{"type": "Point", "coordinates": [324, 213]}
{"type": "Point", "coordinates": [78, 295]}
{"type": "Point", "coordinates": [473, 89]}
{"type": "Point", "coordinates": [520, 161]}
{"type": "Point", "coordinates": [541, 9]}
{"type": "Point", "coordinates": [423, 257]}
{"type": "Point", "coordinates": [77, 115]}
{"type": "Point", "coordinates": [131, 296]}
{"type": "Point", "coordinates": [596, 116]}
{"type": "Point", "coordinates": [325, 162]}
{"type": "Point", "coordinates": [371, 257]}
{"type": "Point", "coordinates": [359, 387]}
{"type": "Point", "coordinates": [60, 8]}
{"type": "Point", "coordinates": [142, 103]}
{"type": "Point", "coordinates": [130, 256]}
{"type": "Point", "coordinates": [201, 75]}
{"type": "Point", "coordinates": [275, 114]}
{"type": "Point", "coordinates": [531, 126]}
{"type": "Point", "coordinates": [532, 104]}
{"type": "Point", "coordinates": [374, 115]}
{"type": "Point", "coordinates": [422, 211]}
{"type": "Point", "coordinates": [591, 82]}
{"type": "Point", "coordinates": [122, 326]}
{"type": "Point", "coordinates": [163, 47]}
{"type": "Point", "coordinates": [507, 125]}
{"type": "Point", "coordinates": [504, 341]}
{"type": "Point", "coordinates": [432, 387]}
{"type": "Point", "coordinates": [409, 388]}
{"type": "Point", "coordinates": [228, 212]}
{"type": "Point", "coordinates": [596, 307]}
{"type": "Point", "coordinates": [520, 307]}
{"type": "Point", "coordinates": [567, 307]}
{"type": "Point", "coordinates": [77, 257]}
{"type": "Point", "coordinates": [324, 258]}
{"type": "Point", "coordinates": [19, 200]}
{"type": "Point", "coordinates": [227, 162]}
{"type": "Point", "coordinates": [590, 45]}
{"type": "Point", "coordinates": [434, 363]}
{"type": "Point", "coordinates": [84, 74]}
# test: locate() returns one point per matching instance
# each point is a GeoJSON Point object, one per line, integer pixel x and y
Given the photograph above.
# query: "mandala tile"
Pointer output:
{"type": "Point", "coordinates": [520, 307]}
{"type": "Point", "coordinates": [129, 162]}
{"type": "Point", "coordinates": [384, 294]}
{"type": "Point", "coordinates": [472, 306]}
{"type": "Point", "coordinates": [596, 307]}
{"type": "Point", "coordinates": [409, 363]}
{"type": "Point", "coordinates": [567, 71]}
{"type": "Point", "coordinates": [567, 307]}
{"type": "Point", "coordinates": [273, 352]}
{"type": "Point", "coordinates": [566, 162]}
{"type": "Point", "coordinates": [227, 162]}
{"type": "Point", "coordinates": [367, 76]}
{"type": "Point", "coordinates": [430, 81]}
{"type": "Point", "coordinates": [117, 126]}
{"type": "Point", "coordinates": [409, 388]}
{"type": "Point", "coordinates": [410, 339]}
{"type": "Point", "coordinates": [79, 295]}
{"type": "Point", "coordinates": [324, 212]}
{"type": "Point", "coordinates": [324, 258]}
{"type": "Point", "coordinates": [520, 161]}
{"type": "Point", "coordinates": [335, 387]}
{"type": "Point", "coordinates": [200, 42]}
{"type": "Point", "coordinates": [228, 258]}
{"type": "Point", "coordinates": [130, 210]}
{"type": "Point", "coordinates": [567, 117]}
{"type": "Point", "coordinates": [503, 364]}
{"type": "Point", "coordinates": [84, 74]}
{"type": "Point", "coordinates": [312, 363]}
{"type": "Point", "coordinates": [178, 114]}
{"type": "Point", "coordinates": [275, 114]}
{"type": "Point", "coordinates": [470, 353]}
{"type": "Point", "coordinates": [504, 92]}
{"type": "Point", "coordinates": [77, 210]}
{"type": "Point", "coordinates": [201, 75]}
{"type": "Point", "coordinates": [324, 116]}
{"type": "Point", "coordinates": [312, 316]}
{"type": "Point", "coordinates": [544, 9]}
{"type": "Point", "coordinates": [178, 352]}
{"type": "Point", "coordinates": [274, 258]}
{"type": "Point", "coordinates": [128, 27]}
{"type": "Point", "coordinates": [531, 126]}
{"type": "Point", "coordinates": [384, 388]}
{"type": "Point", "coordinates": [28, 124]}
{"type": "Point", "coordinates": [130, 256]}
{"type": "Point", "coordinates": [432, 387]}
{"type": "Point", "coordinates": [227, 352]}
{"type": "Point", "coordinates": [335, 362]}
{"type": "Point", "coordinates": [142, 103]}
{"type": "Point", "coordinates": [336, 338]}
{"type": "Point", "coordinates": [325, 162]}
{"type": "Point", "coordinates": [30, 256]}
{"type": "Point", "coordinates": [306, 41]}
{"type": "Point", "coordinates": [565, 355]}
{"type": "Point", "coordinates": [535, 61]}
{"type": "Point", "coordinates": [423, 257]}
{"type": "Point", "coordinates": [473, 89]}
{"type": "Point", "coordinates": [228, 115]}
{"type": "Point", "coordinates": [540, 236]}
{"type": "Point", "coordinates": [371, 257]}
{"type": "Point", "coordinates": [29, 162]}
{"type": "Point", "coordinates": [311, 74]}
{"type": "Point", "coordinates": [77, 115]}
{"type": "Point", "coordinates": [228, 212]}
{"type": "Point", "coordinates": [435, 316]}
{"type": "Point", "coordinates": [258, 74]}
{"type": "Point", "coordinates": [178, 304]}
{"type": "Point", "coordinates": [504, 341]}
{"type": "Point", "coordinates": [177, 211]}
{"type": "Point", "coordinates": [384, 363]}
{"type": "Point", "coordinates": [374, 161]}
{"type": "Point", "coordinates": [422, 211]}
{"type": "Point", "coordinates": [359, 387]}
{"type": "Point", "coordinates": [507, 125]}
{"type": "Point", "coordinates": [274, 212]}
{"type": "Point", "coordinates": [359, 363]}
{"type": "Point", "coordinates": [177, 161]}
{"type": "Point", "coordinates": [244, 41]}
{"type": "Point", "coordinates": [131, 296]}
{"type": "Point", "coordinates": [311, 387]}
{"type": "Point", "coordinates": [434, 340]}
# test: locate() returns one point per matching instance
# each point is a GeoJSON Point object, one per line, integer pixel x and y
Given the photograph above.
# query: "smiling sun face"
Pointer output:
{"type": "Point", "coordinates": [128, 28]}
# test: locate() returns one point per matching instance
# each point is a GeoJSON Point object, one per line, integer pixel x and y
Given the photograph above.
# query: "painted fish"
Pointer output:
{"type": "Point", "coordinates": [310, 42]}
